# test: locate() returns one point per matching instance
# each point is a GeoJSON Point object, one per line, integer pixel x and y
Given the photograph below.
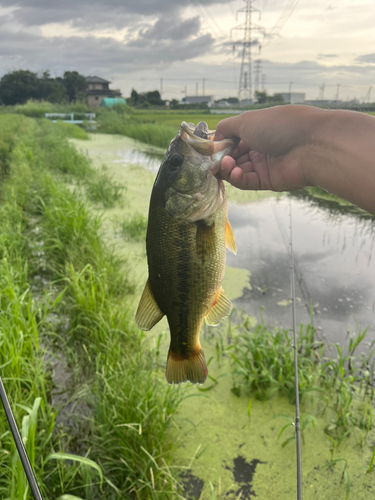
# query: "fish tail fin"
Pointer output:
{"type": "Point", "coordinates": [192, 369]}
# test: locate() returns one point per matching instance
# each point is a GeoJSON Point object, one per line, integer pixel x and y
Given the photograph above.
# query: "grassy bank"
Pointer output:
{"type": "Point", "coordinates": [240, 412]}
{"type": "Point", "coordinates": [91, 402]}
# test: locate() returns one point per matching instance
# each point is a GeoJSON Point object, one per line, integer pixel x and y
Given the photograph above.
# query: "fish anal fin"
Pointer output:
{"type": "Point", "coordinates": [220, 309]}
{"type": "Point", "coordinates": [230, 240]}
{"type": "Point", "coordinates": [148, 312]}
{"type": "Point", "coordinates": [192, 369]}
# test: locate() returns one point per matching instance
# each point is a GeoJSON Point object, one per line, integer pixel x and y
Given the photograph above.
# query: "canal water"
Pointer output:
{"type": "Point", "coordinates": [333, 259]}
{"type": "Point", "coordinates": [223, 452]}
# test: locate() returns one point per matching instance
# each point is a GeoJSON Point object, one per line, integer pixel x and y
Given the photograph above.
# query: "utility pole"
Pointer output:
{"type": "Point", "coordinates": [245, 90]}
{"type": "Point", "coordinates": [203, 85]}
{"type": "Point", "coordinates": [263, 82]}
{"type": "Point", "coordinates": [337, 92]}
{"type": "Point", "coordinates": [290, 92]}
{"type": "Point", "coordinates": [258, 64]}
{"type": "Point", "coordinates": [196, 88]}
{"type": "Point", "coordinates": [321, 92]}
{"type": "Point", "coordinates": [161, 88]}
{"type": "Point", "coordinates": [368, 95]}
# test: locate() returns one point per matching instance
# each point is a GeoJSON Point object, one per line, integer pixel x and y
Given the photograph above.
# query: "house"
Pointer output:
{"type": "Point", "coordinates": [198, 99]}
{"type": "Point", "coordinates": [97, 90]}
{"type": "Point", "coordinates": [293, 97]}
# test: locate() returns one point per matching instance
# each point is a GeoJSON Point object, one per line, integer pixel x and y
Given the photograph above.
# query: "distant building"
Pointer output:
{"type": "Point", "coordinates": [293, 97]}
{"type": "Point", "coordinates": [222, 104]}
{"type": "Point", "coordinates": [323, 102]}
{"type": "Point", "coordinates": [109, 102]}
{"type": "Point", "coordinates": [97, 90]}
{"type": "Point", "coordinates": [198, 99]}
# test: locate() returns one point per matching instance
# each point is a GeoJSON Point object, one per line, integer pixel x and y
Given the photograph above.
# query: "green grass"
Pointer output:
{"type": "Point", "coordinates": [317, 196]}
{"type": "Point", "coordinates": [37, 109]}
{"type": "Point", "coordinates": [64, 293]}
{"type": "Point", "coordinates": [111, 122]}
{"type": "Point", "coordinates": [341, 387]}
{"type": "Point", "coordinates": [104, 190]}
{"type": "Point", "coordinates": [174, 118]}
{"type": "Point", "coordinates": [133, 227]}
{"type": "Point", "coordinates": [152, 127]}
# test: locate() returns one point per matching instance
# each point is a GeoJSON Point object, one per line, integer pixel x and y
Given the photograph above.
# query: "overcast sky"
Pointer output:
{"type": "Point", "coordinates": [135, 43]}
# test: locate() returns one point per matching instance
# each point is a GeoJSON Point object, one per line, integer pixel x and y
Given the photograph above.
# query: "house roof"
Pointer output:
{"type": "Point", "coordinates": [96, 79]}
{"type": "Point", "coordinates": [105, 92]}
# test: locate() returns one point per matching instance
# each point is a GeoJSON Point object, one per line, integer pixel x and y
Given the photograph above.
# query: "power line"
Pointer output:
{"type": "Point", "coordinates": [212, 19]}
{"type": "Point", "coordinates": [283, 18]}
{"type": "Point", "coordinates": [212, 27]}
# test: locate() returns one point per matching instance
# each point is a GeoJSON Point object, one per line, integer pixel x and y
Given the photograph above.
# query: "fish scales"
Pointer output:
{"type": "Point", "coordinates": [184, 279]}
{"type": "Point", "coordinates": [187, 235]}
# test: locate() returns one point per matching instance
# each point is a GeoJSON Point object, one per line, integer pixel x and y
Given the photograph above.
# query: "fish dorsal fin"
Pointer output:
{"type": "Point", "coordinates": [230, 240]}
{"type": "Point", "coordinates": [221, 308]}
{"type": "Point", "coordinates": [148, 312]}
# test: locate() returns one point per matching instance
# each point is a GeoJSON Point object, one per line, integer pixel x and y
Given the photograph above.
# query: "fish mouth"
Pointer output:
{"type": "Point", "coordinates": [200, 138]}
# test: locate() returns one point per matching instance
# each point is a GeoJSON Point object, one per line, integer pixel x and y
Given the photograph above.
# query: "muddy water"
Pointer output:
{"type": "Point", "coordinates": [221, 448]}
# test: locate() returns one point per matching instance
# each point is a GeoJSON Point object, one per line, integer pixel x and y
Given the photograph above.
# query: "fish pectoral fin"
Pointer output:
{"type": "Point", "coordinates": [230, 240]}
{"type": "Point", "coordinates": [148, 312]}
{"type": "Point", "coordinates": [220, 309]}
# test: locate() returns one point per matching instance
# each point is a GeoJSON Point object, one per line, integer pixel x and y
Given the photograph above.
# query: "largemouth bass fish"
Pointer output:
{"type": "Point", "coordinates": [188, 232]}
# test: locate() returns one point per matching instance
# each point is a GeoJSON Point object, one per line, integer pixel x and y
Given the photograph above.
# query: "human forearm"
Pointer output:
{"type": "Point", "coordinates": [341, 156]}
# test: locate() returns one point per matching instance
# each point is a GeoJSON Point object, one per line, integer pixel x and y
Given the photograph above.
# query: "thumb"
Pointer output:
{"type": "Point", "coordinates": [229, 127]}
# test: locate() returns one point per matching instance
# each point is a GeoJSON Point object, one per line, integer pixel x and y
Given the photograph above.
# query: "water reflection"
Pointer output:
{"type": "Point", "coordinates": [318, 197]}
{"type": "Point", "coordinates": [333, 264]}
{"type": "Point", "coordinates": [148, 159]}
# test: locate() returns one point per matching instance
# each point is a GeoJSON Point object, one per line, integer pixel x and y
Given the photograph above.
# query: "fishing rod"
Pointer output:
{"type": "Point", "coordinates": [296, 387]}
{"type": "Point", "coordinates": [19, 444]}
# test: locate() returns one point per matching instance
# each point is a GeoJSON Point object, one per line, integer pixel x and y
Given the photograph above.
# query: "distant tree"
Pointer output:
{"type": "Point", "coordinates": [52, 89]}
{"type": "Point", "coordinates": [261, 97]}
{"type": "Point", "coordinates": [75, 85]}
{"type": "Point", "coordinates": [276, 99]}
{"type": "Point", "coordinates": [19, 86]}
{"type": "Point", "coordinates": [145, 99]}
{"type": "Point", "coordinates": [232, 100]}
{"type": "Point", "coordinates": [174, 104]}
{"type": "Point", "coordinates": [134, 97]}
{"type": "Point", "coordinates": [154, 98]}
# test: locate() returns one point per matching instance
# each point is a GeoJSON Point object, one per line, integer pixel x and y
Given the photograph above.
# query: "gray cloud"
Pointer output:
{"type": "Point", "coordinates": [366, 58]}
{"type": "Point", "coordinates": [92, 13]}
{"type": "Point", "coordinates": [169, 29]}
{"type": "Point", "coordinates": [91, 54]}
{"type": "Point", "coordinates": [326, 56]}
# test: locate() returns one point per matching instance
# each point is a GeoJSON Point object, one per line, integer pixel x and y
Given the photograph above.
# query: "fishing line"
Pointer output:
{"type": "Point", "coordinates": [19, 444]}
{"type": "Point", "coordinates": [296, 388]}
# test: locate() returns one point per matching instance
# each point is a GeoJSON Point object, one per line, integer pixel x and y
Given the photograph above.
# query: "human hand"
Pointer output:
{"type": "Point", "coordinates": [273, 145]}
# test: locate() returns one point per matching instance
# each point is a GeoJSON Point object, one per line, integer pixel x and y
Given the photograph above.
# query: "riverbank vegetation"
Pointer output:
{"type": "Point", "coordinates": [334, 380]}
{"type": "Point", "coordinates": [90, 395]}
{"type": "Point", "coordinates": [93, 407]}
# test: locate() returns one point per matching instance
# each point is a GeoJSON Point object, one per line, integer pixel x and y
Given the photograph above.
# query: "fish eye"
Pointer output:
{"type": "Point", "coordinates": [175, 160]}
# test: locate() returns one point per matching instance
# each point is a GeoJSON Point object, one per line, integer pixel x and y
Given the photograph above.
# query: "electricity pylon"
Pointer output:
{"type": "Point", "coordinates": [245, 89]}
